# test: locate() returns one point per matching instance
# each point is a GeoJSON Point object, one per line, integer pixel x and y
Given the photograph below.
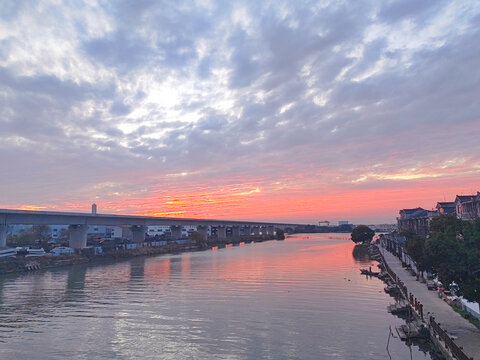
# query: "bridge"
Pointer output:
{"type": "Point", "coordinates": [78, 224]}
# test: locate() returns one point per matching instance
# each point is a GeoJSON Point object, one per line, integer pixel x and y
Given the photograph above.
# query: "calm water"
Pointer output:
{"type": "Point", "coordinates": [302, 298]}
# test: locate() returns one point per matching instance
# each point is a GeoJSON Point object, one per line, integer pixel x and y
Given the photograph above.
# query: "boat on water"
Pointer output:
{"type": "Point", "coordinates": [8, 252]}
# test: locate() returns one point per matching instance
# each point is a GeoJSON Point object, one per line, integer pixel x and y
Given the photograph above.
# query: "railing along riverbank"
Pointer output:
{"type": "Point", "coordinates": [456, 350]}
{"type": "Point", "coordinates": [435, 330]}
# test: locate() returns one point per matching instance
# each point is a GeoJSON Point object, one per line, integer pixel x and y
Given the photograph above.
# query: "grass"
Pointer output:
{"type": "Point", "coordinates": [472, 319]}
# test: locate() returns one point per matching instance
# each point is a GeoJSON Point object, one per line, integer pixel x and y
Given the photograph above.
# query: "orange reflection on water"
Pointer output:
{"type": "Point", "coordinates": [157, 270]}
{"type": "Point", "coordinates": [298, 265]}
{"type": "Point", "coordinates": [186, 264]}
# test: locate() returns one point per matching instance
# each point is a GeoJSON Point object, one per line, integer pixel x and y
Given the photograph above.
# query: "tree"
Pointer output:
{"type": "Point", "coordinates": [41, 234]}
{"type": "Point", "coordinates": [362, 234]}
{"type": "Point", "coordinates": [415, 247]}
{"type": "Point", "coordinates": [23, 238]}
{"type": "Point", "coordinates": [453, 248]}
{"type": "Point", "coordinates": [197, 237]}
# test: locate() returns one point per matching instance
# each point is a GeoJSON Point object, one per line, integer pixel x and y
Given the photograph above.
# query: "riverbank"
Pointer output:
{"type": "Point", "coordinates": [454, 335]}
{"type": "Point", "coordinates": [23, 264]}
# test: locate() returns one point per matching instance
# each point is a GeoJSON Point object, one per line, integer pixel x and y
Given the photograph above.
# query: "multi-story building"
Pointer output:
{"type": "Point", "coordinates": [467, 207]}
{"type": "Point", "coordinates": [415, 220]}
{"type": "Point", "coordinates": [445, 208]}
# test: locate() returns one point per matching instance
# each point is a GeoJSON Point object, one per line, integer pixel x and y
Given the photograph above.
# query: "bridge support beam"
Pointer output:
{"type": "Point", "coordinates": [221, 232]}
{"type": "Point", "coordinates": [256, 230]}
{"type": "Point", "coordinates": [3, 236]}
{"type": "Point", "coordinates": [269, 230]}
{"type": "Point", "coordinates": [203, 231]}
{"type": "Point", "coordinates": [235, 231]}
{"type": "Point", "coordinates": [78, 236]}
{"type": "Point", "coordinates": [176, 231]}
{"type": "Point", "coordinates": [138, 233]}
{"type": "Point", "coordinates": [247, 231]}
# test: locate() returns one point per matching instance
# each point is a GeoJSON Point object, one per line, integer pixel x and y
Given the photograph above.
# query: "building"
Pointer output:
{"type": "Point", "coordinates": [415, 220]}
{"type": "Point", "coordinates": [467, 207]}
{"type": "Point", "coordinates": [445, 208]}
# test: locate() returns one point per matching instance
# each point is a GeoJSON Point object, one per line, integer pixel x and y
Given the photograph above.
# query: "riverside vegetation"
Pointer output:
{"type": "Point", "coordinates": [451, 251]}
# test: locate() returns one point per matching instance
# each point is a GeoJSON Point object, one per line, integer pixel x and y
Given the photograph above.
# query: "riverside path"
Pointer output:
{"type": "Point", "coordinates": [467, 335]}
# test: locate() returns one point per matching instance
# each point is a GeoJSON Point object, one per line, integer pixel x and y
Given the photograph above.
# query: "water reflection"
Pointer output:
{"type": "Point", "coordinates": [296, 299]}
{"type": "Point", "coordinates": [137, 268]}
{"type": "Point", "coordinates": [76, 279]}
{"type": "Point", "coordinates": [360, 253]}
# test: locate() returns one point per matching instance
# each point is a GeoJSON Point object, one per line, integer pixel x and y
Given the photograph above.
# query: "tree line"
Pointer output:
{"type": "Point", "coordinates": [451, 251]}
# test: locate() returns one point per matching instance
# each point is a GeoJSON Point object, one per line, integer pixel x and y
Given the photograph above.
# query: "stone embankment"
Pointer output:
{"type": "Point", "coordinates": [24, 264]}
{"type": "Point", "coordinates": [454, 336]}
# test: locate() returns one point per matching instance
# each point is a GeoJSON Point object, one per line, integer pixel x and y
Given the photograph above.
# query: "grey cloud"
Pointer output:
{"type": "Point", "coordinates": [402, 111]}
{"type": "Point", "coordinates": [119, 108]}
{"type": "Point", "coordinates": [9, 9]}
{"type": "Point", "coordinates": [120, 50]}
{"type": "Point", "coordinates": [397, 10]}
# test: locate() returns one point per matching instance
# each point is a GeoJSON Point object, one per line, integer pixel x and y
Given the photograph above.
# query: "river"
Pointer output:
{"type": "Point", "coordinates": [302, 298]}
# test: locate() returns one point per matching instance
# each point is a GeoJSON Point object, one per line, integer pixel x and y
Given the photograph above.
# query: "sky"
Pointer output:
{"type": "Point", "coordinates": [292, 111]}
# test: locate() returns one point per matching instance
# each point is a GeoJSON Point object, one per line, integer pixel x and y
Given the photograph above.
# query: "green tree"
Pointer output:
{"type": "Point", "coordinates": [24, 238]}
{"type": "Point", "coordinates": [362, 234]}
{"type": "Point", "coordinates": [197, 237]}
{"type": "Point", "coordinates": [453, 249]}
{"type": "Point", "coordinates": [415, 247]}
{"type": "Point", "coordinates": [445, 224]}
{"type": "Point", "coordinates": [42, 233]}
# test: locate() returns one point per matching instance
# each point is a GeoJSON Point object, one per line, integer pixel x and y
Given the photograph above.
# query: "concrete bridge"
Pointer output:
{"type": "Point", "coordinates": [78, 224]}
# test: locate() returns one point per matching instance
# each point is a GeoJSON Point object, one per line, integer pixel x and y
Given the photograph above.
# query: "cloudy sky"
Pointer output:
{"type": "Point", "coordinates": [268, 110]}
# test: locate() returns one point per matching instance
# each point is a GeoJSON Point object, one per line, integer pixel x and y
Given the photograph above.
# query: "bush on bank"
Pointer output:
{"type": "Point", "coordinates": [452, 251]}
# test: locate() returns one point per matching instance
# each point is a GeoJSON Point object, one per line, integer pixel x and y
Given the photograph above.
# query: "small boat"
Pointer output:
{"type": "Point", "coordinates": [409, 331]}
{"type": "Point", "coordinates": [369, 272]}
{"type": "Point", "coordinates": [398, 308]}
{"type": "Point", "coordinates": [389, 289]}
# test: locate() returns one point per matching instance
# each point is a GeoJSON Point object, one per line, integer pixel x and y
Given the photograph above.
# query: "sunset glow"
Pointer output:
{"type": "Point", "coordinates": [281, 111]}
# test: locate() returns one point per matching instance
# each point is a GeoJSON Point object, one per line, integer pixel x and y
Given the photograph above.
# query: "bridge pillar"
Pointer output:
{"type": "Point", "coordinates": [78, 236]}
{"type": "Point", "coordinates": [138, 233]}
{"type": "Point", "coordinates": [176, 231]}
{"type": "Point", "coordinates": [221, 232]}
{"type": "Point", "coordinates": [203, 230]}
{"type": "Point", "coordinates": [270, 230]}
{"type": "Point", "coordinates": [256, 230]}
{"type": "Point", "coordinates": [236, 231]}
{"type": "Point", "coordinates": [247, 231]}
{"type": "Point", "coordinates": [3, 235]}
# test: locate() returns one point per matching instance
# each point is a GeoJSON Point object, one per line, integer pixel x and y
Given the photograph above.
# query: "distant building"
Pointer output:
{"type": "Point", "coordinates": [165, 229]}
{"type": "Point", "coordinates": [342, 222]}
{"type": "Point", "coordinates": [467, 207]}
{"type": "Point", "coordinates": [384, 227]}
{"type": "Point", "coordinates": [445, 208]}
{"type": "Point", "coordinates": [415, 220]}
